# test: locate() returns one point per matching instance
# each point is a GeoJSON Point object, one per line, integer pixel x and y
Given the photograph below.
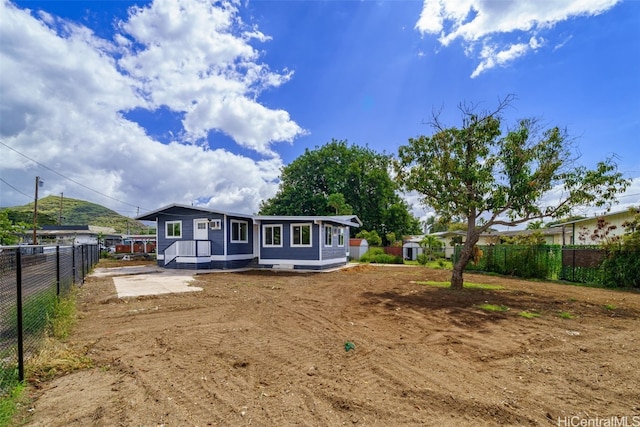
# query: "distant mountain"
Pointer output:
{"type": "Point", "coordinates": [74, 212]}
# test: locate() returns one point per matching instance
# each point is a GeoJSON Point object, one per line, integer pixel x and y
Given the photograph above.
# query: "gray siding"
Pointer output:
{"type": "Point", "coordinates": [286, 251]}
{"type": "Point", "coordinates": [186, 216]}
{"type": "Point", "coordinates": [239, 248]}
{"type": "Point", "coordinates": [335, 251]}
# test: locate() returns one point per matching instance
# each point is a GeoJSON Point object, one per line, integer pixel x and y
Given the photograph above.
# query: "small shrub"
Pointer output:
{"type": "Point", "coordinates": [422, 259]}
{"type": "Point", "coordinates": [565, 315]}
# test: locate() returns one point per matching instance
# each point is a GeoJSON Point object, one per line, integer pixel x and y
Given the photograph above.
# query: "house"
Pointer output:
{"type": "Point", "coordinates": [357, 248]}
{"type": "Point", "coordinates": [201, 238]}
{"type": "Point", "coordinates": [77, 235]}
{"type": "Point", "coordinates": [581, 231]}
{"type": "Point", "coordinates": [449, 241]}
{"type": "Point", "coordinates": [551, 236]}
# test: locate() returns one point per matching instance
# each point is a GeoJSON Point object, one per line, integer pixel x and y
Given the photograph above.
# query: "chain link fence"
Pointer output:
{"type": "Point", "coordinates": [32, 278]}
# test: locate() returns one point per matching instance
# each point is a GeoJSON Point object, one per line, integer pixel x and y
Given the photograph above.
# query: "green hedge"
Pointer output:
{"type": "Point", "coordinates": [620, 268]}
{"type": "Point", "coordinates": [377, 256]}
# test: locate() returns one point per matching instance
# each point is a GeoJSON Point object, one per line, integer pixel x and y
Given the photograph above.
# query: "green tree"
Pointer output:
{"type": "Point", "coordinates": [430, 245]}
{"type": "Point", "coordinates": [434, 225]}
{"type": "Point", "coordinates": [337, 202]}
{"type": "Point", "coordinates": [484, 177]}
{"type": "Point", "coordinates": [10, 232]}
{"type": "Point", "coordinates": [372, 237]}
{"type": "Point", "coordinates": [360, 175]}
{"type": "Point", "coordinates": [535, 225]}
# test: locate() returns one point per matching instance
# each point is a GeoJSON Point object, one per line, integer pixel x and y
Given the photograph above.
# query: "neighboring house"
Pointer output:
{"type": "Point", "coordinates": [411, 247]}
{"type": "Point", "coordinates": [77, 235]}
{"type": "Point", "coordinates": [449, 241]}
{"type": "Point", "coordinates": [551, 236]}
{"type": "Point", "coordinates": [581, 231]}
{"type": "Point", "coordinates": [357, 248]}
{"type": "Point", "coordinates": [200, 238]}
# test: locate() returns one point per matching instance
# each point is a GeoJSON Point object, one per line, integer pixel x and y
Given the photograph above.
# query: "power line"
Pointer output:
{"type": "Point", "coordinates": [629, 195]}
{"type": "Point", "coordinates": [66, 177]}
{"type": "Point", "coordinates": [26, 195]}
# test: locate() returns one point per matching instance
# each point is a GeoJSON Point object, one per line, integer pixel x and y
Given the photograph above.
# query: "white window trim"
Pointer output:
{"type": "Point", "coordinates": [215, 224]}
{"type": "Point", "coordinates": [341, 237]}
{"type": "Point", "coordinates": [264, 235]}
{"type": "Point", "coordinates": [294, 245]}
{"type": "Point", "coordinates": [328, 229]}
{"type": "Point", "coordinates": [246, 223]}
{"type": "Point", "coordinates": [166, 229]}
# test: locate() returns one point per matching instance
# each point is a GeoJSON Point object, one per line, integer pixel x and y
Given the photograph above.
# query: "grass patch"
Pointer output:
{"type": "Point", "coordinates": [64, 314]}
{"type": "Point", "coordinates": [439, 264]}
{"type": "Point", "coordinates": [528, 314]}
{"type": "Point", "coordinates": [10, 403]}
{"type": "Point", "coordinates": [493, 307]}
{"type": "Point", "coordinates": [609, 307]}
{"type": "Point", "coordinates": [566, 315]}
{"type": "Point", "coordinates": [55, 358]}
{"type": "Point", "coordinates": [467, 285]}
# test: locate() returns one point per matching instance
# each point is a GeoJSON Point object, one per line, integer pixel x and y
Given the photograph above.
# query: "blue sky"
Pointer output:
{"type": "Point", "coordinates": [135, 105]}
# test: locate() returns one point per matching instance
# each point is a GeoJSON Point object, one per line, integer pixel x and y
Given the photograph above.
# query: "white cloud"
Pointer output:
{"type": "Point", "coordinates": [64, 91]}
{"type": "Point", "coordinates": [478, 22]}
{"type": "Point", "coordinates": [491, 56]}
{"type": "Point", "coordinates": [195, 58]}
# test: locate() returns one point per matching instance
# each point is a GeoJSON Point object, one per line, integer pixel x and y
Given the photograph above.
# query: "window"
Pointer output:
{"type": "Point", "coordinates": [272, 235]}
{"type": "Point", "coordinates": [173, 229]}
{"type": "Point", "coordinates": [239, 232]}
{"type": "Point", "coordinates": [328, 235]}
{"type": "Point", "coordinates": [215, 224]}
{"type": "Point", "coordinates": [201, 225]}
{"type": "Point", "coordinates": [300, 234]}
{"type": "Point", "coordinates": [341, 237]}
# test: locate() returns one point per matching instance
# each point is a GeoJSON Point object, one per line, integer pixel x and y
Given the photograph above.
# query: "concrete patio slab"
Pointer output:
{"type": "Point", "coordinates": [153, 284]}
{"type": "Point", "coordinates": [133, 281]}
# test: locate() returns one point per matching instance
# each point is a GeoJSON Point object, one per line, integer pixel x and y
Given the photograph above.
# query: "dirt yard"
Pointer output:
{"type": "Point", "coordinates": [275, 349]}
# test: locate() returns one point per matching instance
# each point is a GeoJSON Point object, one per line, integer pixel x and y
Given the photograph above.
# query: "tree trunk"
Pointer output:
{"type": "Point", "coordinates": [457, 281]}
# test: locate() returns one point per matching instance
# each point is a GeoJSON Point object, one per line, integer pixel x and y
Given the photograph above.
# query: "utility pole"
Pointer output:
{"type": "Point", "coordinates": [60, 216]}
{"type": "Point", "coordinates": [35, 210]}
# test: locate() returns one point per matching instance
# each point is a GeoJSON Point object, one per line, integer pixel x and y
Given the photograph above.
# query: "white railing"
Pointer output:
{"type": "Point", "coordinates": [190, 248]}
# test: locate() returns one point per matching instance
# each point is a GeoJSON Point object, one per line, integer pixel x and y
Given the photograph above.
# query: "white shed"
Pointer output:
{"type": "Point", "coordinates": [357, 248]}
{"type": "Point", "coordinates": [411, 248]}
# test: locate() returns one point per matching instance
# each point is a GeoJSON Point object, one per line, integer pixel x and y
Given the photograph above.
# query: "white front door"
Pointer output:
{"type": "Point", "coordinates": [200, 229]}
